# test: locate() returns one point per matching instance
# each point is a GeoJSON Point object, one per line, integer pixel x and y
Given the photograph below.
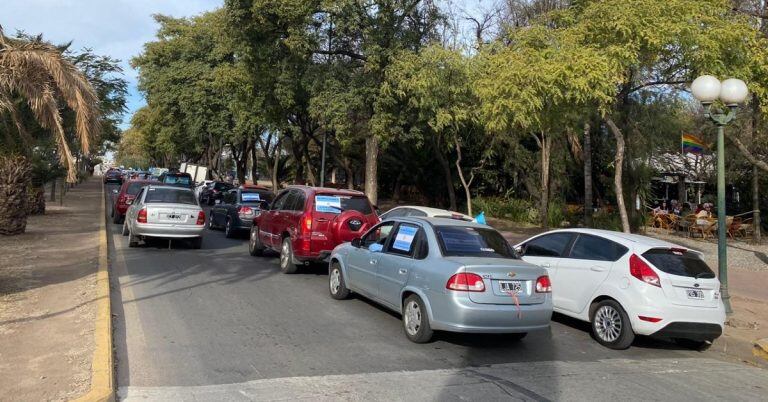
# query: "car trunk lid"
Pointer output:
{"type": "Point", "coordinates": [173, 214]}
{"type": "Point", "coordinates": [502, 279]}
{"type": "Point", "coordinates": [338, 218]}
{"type": "Point", "coordinates": [686, 278]}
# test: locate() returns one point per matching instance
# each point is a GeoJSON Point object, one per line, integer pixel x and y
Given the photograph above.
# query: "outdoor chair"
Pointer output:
{"type": "Point", "coordinates": [672, 221]}
{"type": "Point", "coordinates": [747, 228]}
{"type": "Point", "coordinates": [687, 223]}
{"type": "Point", "coordinates": [706, 229]}
{"type": "Point", "coordinates": [734, 227]}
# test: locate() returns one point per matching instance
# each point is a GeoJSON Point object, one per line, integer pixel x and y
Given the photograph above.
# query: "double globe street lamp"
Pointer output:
{"type": "Point", "coordinates": [731, 92]}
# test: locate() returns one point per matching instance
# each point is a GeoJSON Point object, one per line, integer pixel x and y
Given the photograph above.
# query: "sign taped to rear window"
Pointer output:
{"type": "Point", "coordinates": [251, 197]}
{"type": "Point", "coordinates": [404, 238]}
{"type": "Point", "coordinates": [328, 203]}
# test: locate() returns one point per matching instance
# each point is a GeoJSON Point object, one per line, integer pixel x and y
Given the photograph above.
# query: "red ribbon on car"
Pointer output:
{"type": "Point", "coordinates": [517, 303]}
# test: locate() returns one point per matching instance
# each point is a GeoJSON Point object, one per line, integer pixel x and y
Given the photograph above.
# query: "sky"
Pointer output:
{"type": "Point", "coordinates": [117, 28]}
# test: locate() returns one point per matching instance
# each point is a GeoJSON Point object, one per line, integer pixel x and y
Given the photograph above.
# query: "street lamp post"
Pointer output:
{"type": "Point", "coordinates": [732, 92]}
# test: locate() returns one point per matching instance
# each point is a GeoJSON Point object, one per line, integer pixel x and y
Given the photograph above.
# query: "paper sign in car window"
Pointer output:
{"type": "Point", "coordinates": [251, 197]}
{"type": "Point", "coordinates": [327, 203]}
{"type": "Point", "coordinates": [404, 238]}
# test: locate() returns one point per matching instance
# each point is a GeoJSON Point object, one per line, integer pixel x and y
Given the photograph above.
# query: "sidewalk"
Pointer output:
{"type": "Point", "coordinates": [748, 287]}
{"type": "Point", "coordinates": [47, 300]}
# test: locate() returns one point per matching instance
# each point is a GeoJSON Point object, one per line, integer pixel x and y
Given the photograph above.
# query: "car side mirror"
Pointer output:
{"type": "Point", "coordinates": [520, 250]}
{"type": "Point", "coordinates": [129, 202]}
{"type": "Point", "coordinates": [114, 191]}
{"type": "Point", "coordinates": [356, 242]}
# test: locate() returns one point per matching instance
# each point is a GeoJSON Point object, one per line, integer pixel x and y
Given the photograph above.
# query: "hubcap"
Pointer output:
{"type": "Point", "coordinates": [284, 254]}
{"type": "Point", "coordinates": [412, 318]}
{"type": "Point", "coordinates": [608, 324]}
{"type": "Point", "coordinates": [253, 238]}
{"type": "Point", "coordinates": [335, 281]}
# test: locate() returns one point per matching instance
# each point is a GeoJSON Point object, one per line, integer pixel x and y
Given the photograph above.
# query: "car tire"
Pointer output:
{"type": "Point", "coordinates": [336, 283]}
{"type": "Point", "coordinates": [112, 212]}
{"type": "Point", "coordinates": [132, 240]}
{"type": "Point", "coordinates": [693, 344]}
{"type": "Point", "coordinates": [286, 257]}
{"type": "Point", "coordinates": [117, 218]}
{"type": "Point", "coordinates": [610, 325]}
{"type": "Point", "coordinates": [211, 225]}
{"type": "Point", "coordinates": [125, 228]}
{"type": "Point", "coordinates": [517, 336]}
{"type": "Point", "coordinates": [228, 231]}
{"type": "Point", "coordinates": [255, 248]}
{"type": "Point", "coordinates": [197, 243]}
{"type": "Point", "coordinates": [416, 320]}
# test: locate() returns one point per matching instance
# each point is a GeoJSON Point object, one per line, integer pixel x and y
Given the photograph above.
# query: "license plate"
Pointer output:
{"type": "Point", "coordinates": [695, 293]}
{"type": "Point", "coordinates": [510, 286]}
{"type": "Point", "coordinates": [176, 217]}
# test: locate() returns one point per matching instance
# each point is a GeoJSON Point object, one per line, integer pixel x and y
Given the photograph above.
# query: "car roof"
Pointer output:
{"type": "Point", "coordinates": [621, 237]}
{"type": "Point", "coordinates": [440, 221]}
{"type": "Point", "coordinates": [430, 211]}
{"type": "Point", "coordinates": [327, 190]}
{"type": "Point", "coordinates": [162, 186]}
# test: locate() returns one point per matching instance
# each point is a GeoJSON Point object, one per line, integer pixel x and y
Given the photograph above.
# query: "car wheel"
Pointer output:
{"type": "Point", "coordinates": [117, 218]}
{"type": "Point", "coordinates": [610, 325]}
{"type": "Point", "coordinates": [416, 321]}
{"type": "Point", "coordinates": [125, 228]}
{"type": "Point", "coordinates": [112, 212]}
{"type": "Point", "coordinates": [197, 242]}
{"type": "Point", "coordinates": [211, 225]}
{"type": "Point", "coordinates": [286, 258]}
{"type": "Point", "coordinates": [132, 240]}
{"type": "Point", "coordinates": [228, 232]}
{"type": "Point", "coordinates": [255, 248]}
{"type": "Point", "coordinates": [517, 336]}
{"type": "Point", "coordinates": [338, 286]}
{"type": "Point", "coordinates": [693, 344]}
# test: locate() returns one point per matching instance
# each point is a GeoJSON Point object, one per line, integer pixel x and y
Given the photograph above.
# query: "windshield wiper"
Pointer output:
{"type": "Point", "coordinates": [709, 275]}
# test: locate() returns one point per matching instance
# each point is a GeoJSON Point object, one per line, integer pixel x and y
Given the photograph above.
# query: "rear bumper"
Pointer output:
{"type": "Point", "coordinates": [691, 330]}
{"type": "Point", "coordinates": [314, 257]}
{"type": "Point", "coordinates": [459, 314]}
{"type": "Point", "coordinates": [167, 231]}
{"type": "Point", "coordinates": [675, 318]}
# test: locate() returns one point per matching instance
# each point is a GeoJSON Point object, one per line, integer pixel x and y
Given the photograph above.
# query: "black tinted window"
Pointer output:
{"type": "Point", "coordinates": [279, 201]}
{"type": "Point", "coordinates": [134, 188]}
{"type": "Point", "coordinates": [416, 212]}
{"type": "Point", "coordinates": [168, 195]}
{"type": "Point", "coordinates": [178, 179]}
{"type": "Point", "coordinates": [595, 248]}
{"type": "Point", "coordinates": [298, 201]}
{"type": "Point", "coordinates": [467, 241]}
{"type": "Point", "coordinates": [551, 245]}
{"type": "Point", "coordinates": [679, 262]}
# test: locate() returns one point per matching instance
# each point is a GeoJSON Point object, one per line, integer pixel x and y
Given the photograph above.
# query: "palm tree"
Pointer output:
{"type": "Point", "coordinates": [37, 72]}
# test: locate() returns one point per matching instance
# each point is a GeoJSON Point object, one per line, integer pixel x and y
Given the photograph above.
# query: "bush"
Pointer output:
{"type": "Point", "coordinates": [512, 209]}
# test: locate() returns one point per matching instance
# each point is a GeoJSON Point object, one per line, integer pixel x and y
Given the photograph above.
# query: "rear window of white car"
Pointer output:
{"type": "Point", "coordinates": [170, 196]}
{"type": "Point", "coordinates": [336, 204]}
{"type": "Point", "coordinates": [467, 241]}
{"type": "Point", "coordinates": [679, 262]}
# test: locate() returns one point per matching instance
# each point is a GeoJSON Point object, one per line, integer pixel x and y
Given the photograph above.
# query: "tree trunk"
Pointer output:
{"type": "Point", "coordinates": [371, 168]}
{"type": "Point", "coordinates": [35, 200]}
{"type": "Point", "coordinates": [275, 166]}
{"type": "Point", "coordinates": [446, 174]}
{"type": "Point", "coordinates": [350, 175]}
{"type": "Point", "coordinates": [254, 164]}
{"type": "Point", "coordinates": [756, 236]}
{"type": "Point", "coordinates": [587, 158]}
{"type": "Point", "coordinates": [546, 148]}
{"type": "Point", "coordinates": [464, 183]}
{"type": "Point", "coordinates": [617, 177]}
{"type": "Point", "coordinates": [14, 180]}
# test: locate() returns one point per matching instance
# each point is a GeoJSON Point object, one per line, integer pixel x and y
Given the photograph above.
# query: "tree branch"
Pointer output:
{"type": "Point", "coordinates": [347, 53]}
{"type": "Point", "coordinates": [747, 154]}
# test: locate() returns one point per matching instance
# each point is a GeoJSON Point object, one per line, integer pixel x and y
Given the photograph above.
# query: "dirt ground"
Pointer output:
{"type": "Point", "coordinates": [47, 309]}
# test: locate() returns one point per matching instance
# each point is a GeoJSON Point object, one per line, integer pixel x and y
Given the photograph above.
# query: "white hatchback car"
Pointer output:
{"type": "Point", "coordinates": [625, 284]}
{"type": "Point", "coordinates": [423, 212]}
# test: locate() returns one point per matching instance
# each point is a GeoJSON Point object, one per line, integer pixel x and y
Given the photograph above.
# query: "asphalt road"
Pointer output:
{"type": "Point", "coordinates": [219, 324]}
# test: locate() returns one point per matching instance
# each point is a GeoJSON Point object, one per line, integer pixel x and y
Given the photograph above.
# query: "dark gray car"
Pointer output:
{"type": "Point", "coordinates": [237, 209]}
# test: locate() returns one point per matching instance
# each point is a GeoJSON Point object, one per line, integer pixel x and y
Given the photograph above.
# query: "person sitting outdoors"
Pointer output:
{"type": "Point", "coordinates": [703, 215]}
{"type": "Point", "coordinates": [661, 209]}
{"type": "Point", "coordinates": [676, 207]}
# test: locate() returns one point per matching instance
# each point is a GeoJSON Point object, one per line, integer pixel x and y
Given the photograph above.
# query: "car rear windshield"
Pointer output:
{"type": "Point", "coordinates": [170, 195]}
{"type": "Point", "coordinates": [256, 197]}
{"type": "Point", "coordinates": [336, 204]}
{"type": "Point", "coordinates": [134, 188]}
{"type": "Point", "coordinates": [180, 179]}
{"type": "Point", "coordinates": [679, 262]}
{"type": "Point", "coordinates": [467, 241]}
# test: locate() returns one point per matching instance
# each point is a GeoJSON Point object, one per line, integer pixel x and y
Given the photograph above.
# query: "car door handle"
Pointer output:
{"type": "Point", "coordinates": [597, 269]}
{"type": "Point", "coordinates": [402, 271]}
{"type": "Point", "coordinates": [322, 220]}
{"type": "Point", "coordinates": [373, 262]}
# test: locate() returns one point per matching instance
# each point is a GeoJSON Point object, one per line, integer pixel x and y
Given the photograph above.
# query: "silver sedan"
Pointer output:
{"type": "Point", "coordinates": [443, 274]}
{"type": "Point", "coordinates": [166, 212]}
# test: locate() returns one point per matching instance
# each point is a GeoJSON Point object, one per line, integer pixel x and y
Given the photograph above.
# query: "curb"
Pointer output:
{"type": "Point", "coordinates": [102, 367]}
{"type": "Point", "coordinates": [761, 348]}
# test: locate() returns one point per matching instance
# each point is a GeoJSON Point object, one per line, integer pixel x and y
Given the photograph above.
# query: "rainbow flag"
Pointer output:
{"type": "Point", "coordinates": [692, 144]}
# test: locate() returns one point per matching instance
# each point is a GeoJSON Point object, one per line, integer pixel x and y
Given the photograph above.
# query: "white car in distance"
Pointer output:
{"type": "Point", "coordinates": [627, 285]}
{"type": "Point", "coordinates": [423, 212]}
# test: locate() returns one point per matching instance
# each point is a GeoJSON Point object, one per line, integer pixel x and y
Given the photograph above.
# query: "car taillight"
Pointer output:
{"type": "Point", "coordinates": [142, 217]}
{"type": "Point", "coordinates": [200, 218]}
{"type": "Point", "coordinates": [306, 223]}
{"type": "Point", "coordinates": [466, 281]}
{"type": "Point", "coordinates": [543, 284]}
{"type": "Point", "coordinates": [245, 211]}
{"type": "Point", "coordinates": [640, 270]}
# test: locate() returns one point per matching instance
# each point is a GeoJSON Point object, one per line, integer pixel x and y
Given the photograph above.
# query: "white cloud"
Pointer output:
{"type": "Point", "coordinates": [117, 28]}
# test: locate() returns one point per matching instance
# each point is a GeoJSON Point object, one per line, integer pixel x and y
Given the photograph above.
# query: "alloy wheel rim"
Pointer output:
{"type": "Point", "coordinates": [229, 226]}
{"type": "Point", "coordinates": [608, 324]}
{"type": "Point", "coordinates": [253, 239]}
{"type": "Point", "coordinates": [284, 255]}
{"type": "Point", "coordinates": [335, 281]}
{"type": "Point", "coordinates": [412, 318]}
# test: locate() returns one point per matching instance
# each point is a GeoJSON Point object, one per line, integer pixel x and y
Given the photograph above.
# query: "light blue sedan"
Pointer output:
{"type": "Point", "coordinates": [443, 274]}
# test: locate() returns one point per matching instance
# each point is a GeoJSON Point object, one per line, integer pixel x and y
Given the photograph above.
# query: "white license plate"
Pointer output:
{"type": "Point", "coordinates": [510, 286]}
{"type": "Point", "coordinates": [695, 293]}
{"type": "Point", "coordinates": [174, 217]}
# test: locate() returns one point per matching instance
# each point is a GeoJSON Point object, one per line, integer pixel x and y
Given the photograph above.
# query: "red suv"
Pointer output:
{"type": "Point", "coordinates": [127, 192]}
{"type": "Point", "coordinates": [304, 224]}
